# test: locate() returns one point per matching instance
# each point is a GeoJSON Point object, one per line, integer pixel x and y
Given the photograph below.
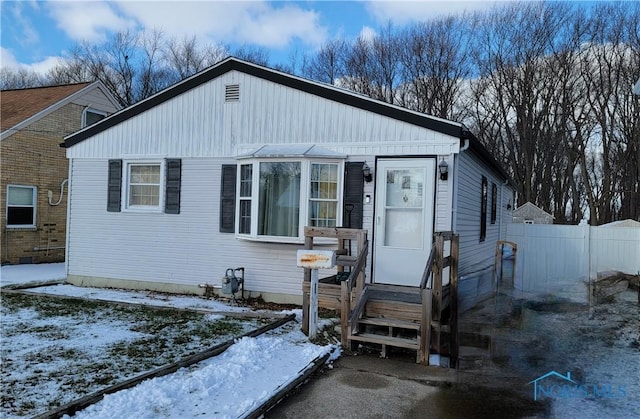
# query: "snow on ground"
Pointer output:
{"type": "Point", "coordinates": [228, 386]}
{"type": "Point", "coordinates": [26, 274]}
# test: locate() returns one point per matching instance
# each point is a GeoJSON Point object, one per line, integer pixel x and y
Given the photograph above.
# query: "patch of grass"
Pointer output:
{"type": "Point", "coordinates": [67, 344]}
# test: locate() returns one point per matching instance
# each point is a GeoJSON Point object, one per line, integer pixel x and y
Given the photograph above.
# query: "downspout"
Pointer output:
{"type": "Point", "coordinates": [456, 164]}
{"type": "Point", "coordinates": [68, 226]}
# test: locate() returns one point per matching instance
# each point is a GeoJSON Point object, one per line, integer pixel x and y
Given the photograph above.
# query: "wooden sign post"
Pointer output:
{"type": "Point", "coordinates": [314, 260]}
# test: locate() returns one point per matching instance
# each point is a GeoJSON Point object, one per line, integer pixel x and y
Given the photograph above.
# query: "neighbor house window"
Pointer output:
{"type": "Point", "coordinates": [143, 181]}
{"type": "Point", "coordinates": [91, 116]}
{"type": "Point", "coordinates": [483, 209]}
{"type": "Point", "coordinates": [21, 206]}
{"type": "Point", "coordinates": [277, 198]}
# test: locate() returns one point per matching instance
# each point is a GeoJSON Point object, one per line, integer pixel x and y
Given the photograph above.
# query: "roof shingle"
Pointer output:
{"type": "Point", "coordinates": [20, 104]}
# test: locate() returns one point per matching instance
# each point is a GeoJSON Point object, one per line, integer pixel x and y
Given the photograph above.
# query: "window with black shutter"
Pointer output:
{"type": "Point", "coordinates": [228, 198]}
{"type": "Point", "coordinates": [494, 203]}
{"type": "Point", "coordinates": [114, 188]}
{"type": "Point", "coordinates": [483, 209]}
{"type": "Point", "coordinates": [353, 192]}
{"type": "Point", "coordinates": [172, 186]}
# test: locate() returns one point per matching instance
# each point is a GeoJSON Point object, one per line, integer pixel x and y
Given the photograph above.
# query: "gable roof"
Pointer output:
{"type": "Point", "coordinates": [323, 90]}
{"type": "Point", "coordinates": [529, 208]}
{"type": "Point", "coordinates": [20, 107]}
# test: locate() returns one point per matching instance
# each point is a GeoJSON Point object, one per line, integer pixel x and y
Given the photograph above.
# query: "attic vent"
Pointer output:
{"type": "Point", "coordinates": [232, 93]}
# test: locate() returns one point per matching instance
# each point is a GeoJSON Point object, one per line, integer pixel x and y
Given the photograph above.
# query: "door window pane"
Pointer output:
{"type": "Point", "coordinates": [403, 208]}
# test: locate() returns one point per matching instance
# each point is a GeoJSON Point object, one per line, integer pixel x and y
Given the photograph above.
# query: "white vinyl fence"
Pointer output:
{"type": "Point", "coordinates": [560, 259]}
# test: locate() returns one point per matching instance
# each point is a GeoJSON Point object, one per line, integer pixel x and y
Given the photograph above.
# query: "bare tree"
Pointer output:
{"type": "Point", "coordinates": [328, 65]}
{"type": "Point", "coordinates": [436, 62]}
{"type": "Point", "coordinates": [252, 54]}
{"type": "Point", "coordinates": [517, 95]}
{"type": "Point", "coordinates": [21, 78]}
{"type": "Point", "coordinates": [186, 57]}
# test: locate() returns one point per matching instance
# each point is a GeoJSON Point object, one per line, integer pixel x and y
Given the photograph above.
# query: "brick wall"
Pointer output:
{"type": "Point", "coordinates": [33, 157]}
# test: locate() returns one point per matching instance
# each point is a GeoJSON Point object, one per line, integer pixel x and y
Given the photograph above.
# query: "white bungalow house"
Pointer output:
{"type": "Point", "coordinates": [226, 168]}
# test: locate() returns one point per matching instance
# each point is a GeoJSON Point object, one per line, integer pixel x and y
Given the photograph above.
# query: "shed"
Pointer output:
{"type": "Point", "coordinates": [529, 213]}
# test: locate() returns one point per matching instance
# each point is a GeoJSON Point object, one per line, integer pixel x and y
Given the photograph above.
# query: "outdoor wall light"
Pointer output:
{"type": "Point", "coordinates": [443, 168]}
{"type": "Point", "coordinates": [366, 172]}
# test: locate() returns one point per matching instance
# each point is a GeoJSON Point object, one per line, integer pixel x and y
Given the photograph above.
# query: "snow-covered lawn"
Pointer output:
{"type": "Point", "coordinates": [50, 353]}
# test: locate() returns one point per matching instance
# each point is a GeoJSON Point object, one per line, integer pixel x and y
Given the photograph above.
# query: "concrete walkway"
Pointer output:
{"type": "Point", "coordinates": [367, 386]}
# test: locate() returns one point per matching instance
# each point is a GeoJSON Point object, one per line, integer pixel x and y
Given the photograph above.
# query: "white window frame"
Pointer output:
{"type": "Point", "coordinates": [96, 111]}
{"type": "Point", "coordinates": [127, 207]}
{"type": "Point", "coordinates": [305, 196]}
{"type": "Point", "coordinates": [34, 191]}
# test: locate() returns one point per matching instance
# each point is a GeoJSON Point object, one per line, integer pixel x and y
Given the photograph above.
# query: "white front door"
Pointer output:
{"type": "Point", "coordinates": [403, 223]}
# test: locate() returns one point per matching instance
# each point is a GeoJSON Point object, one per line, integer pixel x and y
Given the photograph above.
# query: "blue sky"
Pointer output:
{"type": "Point", "coordinates": [36, 34]}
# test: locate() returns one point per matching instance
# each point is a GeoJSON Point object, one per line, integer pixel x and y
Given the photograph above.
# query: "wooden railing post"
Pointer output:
{"type": "Point", "coordinates": [345, 311]}
{"type": "Point", "coordinates": [453, 301]}
{"type": "Point", "coordinates": [308, 245]}
{"type": "Point", "coordinates": [437, 278]}
{"type": "Point", "coordinates": [425, 327]}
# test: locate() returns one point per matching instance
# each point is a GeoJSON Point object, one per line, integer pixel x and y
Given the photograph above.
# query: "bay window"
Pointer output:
{"type": "Point", "coordinates": [278, 197]}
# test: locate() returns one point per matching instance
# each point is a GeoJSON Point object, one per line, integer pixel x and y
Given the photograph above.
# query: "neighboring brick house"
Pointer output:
{"type": "Point", "coordinates": [34, 168]}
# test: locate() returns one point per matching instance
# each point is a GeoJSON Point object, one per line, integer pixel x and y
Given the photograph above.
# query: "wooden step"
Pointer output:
{"type": "Point", "coordinates": [383, 321]}
{"type": "Point", "coordinates": [387, 340]}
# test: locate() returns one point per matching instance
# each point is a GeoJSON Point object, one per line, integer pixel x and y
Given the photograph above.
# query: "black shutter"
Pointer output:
{"type": "Point", "coordinates": [114, 187]}
{"type": "Point", "coordinates": [353, 191]}
{"type": "Point", "coordinates": [172, 186]}
{"type": "Point", "coordinates": [228, 198]}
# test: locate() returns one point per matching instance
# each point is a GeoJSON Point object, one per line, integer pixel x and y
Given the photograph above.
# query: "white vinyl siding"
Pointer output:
{"type": "Point", "coordinates": [475, 255]}
{"type": "Point", "coordinates": [163, 248]}
{"type": "Point", "coordinates": [268, 113]}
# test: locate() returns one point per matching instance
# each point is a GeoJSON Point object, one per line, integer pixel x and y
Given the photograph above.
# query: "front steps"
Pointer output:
{"type": "Point", "coordinates": [392, 318]}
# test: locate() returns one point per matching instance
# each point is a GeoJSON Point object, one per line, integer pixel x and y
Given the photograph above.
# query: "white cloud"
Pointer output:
{"type": "Point", "coordinates": [403, 12]}
{"type": "Point", "coordinates": [367, 33]}
{"type": "Point", "coordinates": [28, 33]}
{"type": "Point", "coordinates": [8, 60]}
{"type": "Point", "coordinates": [271, 25]}
{"type": "Point", "coordinates": [88, 20]}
